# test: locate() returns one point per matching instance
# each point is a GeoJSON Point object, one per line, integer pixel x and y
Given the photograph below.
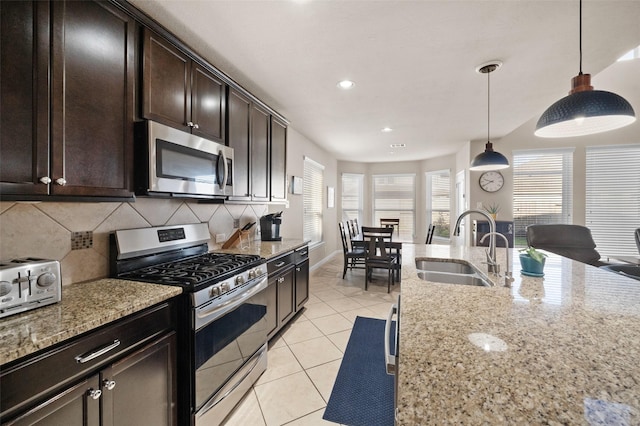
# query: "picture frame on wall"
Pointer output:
{"type": "Point", "coordinates": [331, 197]}
{"type": "Point", "coordinates": [296, 185]}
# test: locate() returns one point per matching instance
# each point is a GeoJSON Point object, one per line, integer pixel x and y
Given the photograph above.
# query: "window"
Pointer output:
{"type": "Point", "coordinates": [312, 200]}
{"type": "Point", "coordinates": [542, 189]}
{"type": "Point", "coordinates": [439, 202]}
{"type": "Point", "coordinates": [352, 195]}
{"type": "Point", "coordinates": [394, 197]}
{"type": "Point", "coordinates": [613, 197]}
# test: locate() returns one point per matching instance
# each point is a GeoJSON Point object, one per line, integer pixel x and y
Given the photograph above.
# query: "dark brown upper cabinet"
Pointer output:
{"type": "Point", "coordinates": [260, 125]}
{"type": "Point", "coordinates": [239, 131]}
{"type": "Point", "coordinates": [92, 112]}
{"type": "Point", "coordinates": [78, 140]}
{"type": "Point", "coordinates": [179, 92]}
{"type": "Point", "coordinates": [24, 97]}
{"type": "Point", "coordinates": [249, 136]}
{"type": "Point", "coordinates": [278, 160]}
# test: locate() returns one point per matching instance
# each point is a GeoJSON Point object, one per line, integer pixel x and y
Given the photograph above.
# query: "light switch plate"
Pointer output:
{"type": "Point", "coordinates": [221, 238]}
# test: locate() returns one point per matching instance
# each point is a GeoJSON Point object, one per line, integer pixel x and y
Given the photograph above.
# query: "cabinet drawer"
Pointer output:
{"type": "Point", "coordinates": [279, 264]}
{"type": "Point", "coordinates": [26, 382]}
{"type": "Point", "coordinates": [301, 254]}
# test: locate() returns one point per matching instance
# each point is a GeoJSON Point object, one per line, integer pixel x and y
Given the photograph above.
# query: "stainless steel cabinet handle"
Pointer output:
{"type": "Point", "coordinates": [297, 269]}
{"type": "Point", "coordinates": [190, 123]}
{"type": "Point", "coordinates": [279, 264]}
{"type": "Point", "coordinates": [109, 384]}
{"type": "Point", "coordinates": [61, 181]}
{"type": "Point", "coordinates": [97, 352]}
{"type": "Point", "coordinates": [195, 126]}
{"type": "Point", "coordinates": [280, 280]}
{"type": "Point", "coordinates": [94, 393]}
{"type": "Point", "coordinates": [46, 180]}
{"type": "Point", "coordinates": [304, 253]}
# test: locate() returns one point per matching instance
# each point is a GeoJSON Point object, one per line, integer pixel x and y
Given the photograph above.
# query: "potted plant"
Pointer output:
{"type": "Point", "coordinates": [493, 210]}
{"type": "Point", "coordinates": [532, 262]}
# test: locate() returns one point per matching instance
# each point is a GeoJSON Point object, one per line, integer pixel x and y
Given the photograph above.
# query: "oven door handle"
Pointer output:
{"type": "Point", "coordinates": [390, 359]}
{"type": "Point", "coordinates": [205, 316]}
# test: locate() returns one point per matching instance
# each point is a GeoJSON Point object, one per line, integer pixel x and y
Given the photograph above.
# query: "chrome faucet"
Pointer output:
{"type": "Point", "coordinates": [508, 278]}
{"type": "Point", "coordinates": [491, 255]}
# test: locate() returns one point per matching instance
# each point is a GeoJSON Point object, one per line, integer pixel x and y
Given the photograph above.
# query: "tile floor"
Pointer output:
{"type": "Point", "coordinates": [305, 356]}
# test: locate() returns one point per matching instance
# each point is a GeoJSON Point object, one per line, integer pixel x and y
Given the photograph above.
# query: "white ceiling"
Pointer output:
{"type": "Point", "coordinates": [413, 63]}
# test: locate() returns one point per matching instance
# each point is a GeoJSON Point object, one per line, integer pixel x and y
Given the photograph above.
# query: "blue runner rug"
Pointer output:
{"type": "Point", "coordinates": [362, 394]}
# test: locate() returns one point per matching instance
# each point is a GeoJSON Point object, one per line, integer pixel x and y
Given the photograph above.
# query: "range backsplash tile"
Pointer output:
{"type": "Point", "coordinates": [44, 229]}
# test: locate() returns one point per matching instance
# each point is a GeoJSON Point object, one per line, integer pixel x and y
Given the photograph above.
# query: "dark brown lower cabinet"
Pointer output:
{"type": "Point", "coordinates": [286, 303]}
{"type": "Point", "coordinates": [281, 292]}
{"type": "Point", "coordinates": [302, 277]}
{"type": "Point", "coordinates": [121, 375]}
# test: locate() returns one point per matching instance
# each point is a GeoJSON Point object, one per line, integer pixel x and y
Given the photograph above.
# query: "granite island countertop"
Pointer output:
{"type": "Point", "coordinates": [562, 349]}
{"type": "Point", "coordinates": [84, 307]}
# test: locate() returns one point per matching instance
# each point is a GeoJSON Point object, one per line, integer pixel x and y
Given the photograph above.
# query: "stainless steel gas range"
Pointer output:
{"type": "Point", "coordinates": [222, 316]}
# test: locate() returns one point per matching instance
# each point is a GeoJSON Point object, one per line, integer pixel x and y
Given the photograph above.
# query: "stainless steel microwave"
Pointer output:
{"type": "Point", "coordinates": [170, 162]}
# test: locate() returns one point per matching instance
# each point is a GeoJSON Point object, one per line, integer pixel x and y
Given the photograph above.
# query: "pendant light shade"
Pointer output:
{"type": "Point", "coordinates": [489, 159]}
{"type": "Point", "coordinates": [585, 111]}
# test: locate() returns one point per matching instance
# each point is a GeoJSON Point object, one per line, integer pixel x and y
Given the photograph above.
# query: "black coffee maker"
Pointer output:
{"type": "Point", "coordinates": [270, 227]}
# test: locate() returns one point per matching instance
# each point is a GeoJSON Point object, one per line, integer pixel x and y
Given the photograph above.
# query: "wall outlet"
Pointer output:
{"type": "Point", "coordinates": [221, 238]}
{"type": "Point", "coordinates": [479, 205]}
{"type": "Point", "coordinates": [236, 223]}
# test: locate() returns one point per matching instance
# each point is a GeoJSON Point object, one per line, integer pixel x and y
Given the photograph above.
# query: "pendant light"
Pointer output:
{"type": "Point", "coordinates": [585, 111]}
{"type": "Point", "coordinates": [489, 159]}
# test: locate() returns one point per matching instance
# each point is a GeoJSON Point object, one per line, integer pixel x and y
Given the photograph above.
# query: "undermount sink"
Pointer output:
{"type": "Point", "coordinates": [448, 266]}
{"type": "Point", "coordinates": [465, 279]}
{"type": "Point", "coordinates": [450, 272]}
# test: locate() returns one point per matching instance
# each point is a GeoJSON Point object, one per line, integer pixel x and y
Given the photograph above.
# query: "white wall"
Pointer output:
{"type": "Point", "coordinates": [299, 146]}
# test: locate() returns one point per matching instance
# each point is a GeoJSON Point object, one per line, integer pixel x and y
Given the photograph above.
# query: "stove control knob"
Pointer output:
{"type": "Point", "coordinates": [252, 274]}
{"type": "Point", "coordinates": [239, 280]}
{"type": "Point", "coordinates": [46, 279]}
{"type": "Point", "coordinates": [258, 271]}
{"type": "Point", "coordinates": [224, 287]}
{"type": "Point", "coordinates": [214, 291]}
{"type": "Point", "coordinates": [5, 288]}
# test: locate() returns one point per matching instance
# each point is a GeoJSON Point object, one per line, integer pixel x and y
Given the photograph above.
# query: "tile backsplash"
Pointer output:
{"type": "Point", "coordinates": [45, 229]}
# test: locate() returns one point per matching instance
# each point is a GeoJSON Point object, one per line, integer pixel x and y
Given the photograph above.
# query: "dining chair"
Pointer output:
{"type": "Point", "coordinates": [572, 241]}
{"type": "Point", "coordinates": [354, 258]}
{"type": "Point", "coordinates": [637, 235]}
{"type": "Point", "coordinates": [378, 255]}
{"type": "Point", "coordinates": [355, 223]}
{"type": "Point", "coordinates": [370, 232]}
{"type": "Point", "coordinates": [391, 223]}
{"type": "Point", "coordinates": [430, 231]}
{"type": "Point", "coordinates": [352, 229]}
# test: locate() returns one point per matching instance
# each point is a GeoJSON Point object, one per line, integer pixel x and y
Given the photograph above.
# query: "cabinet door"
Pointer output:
{"type": "Point", "coordinates": [239, 115]}
{"type": "Point", "coordinates": [24, 97]}
{"type": "Point", "coordinates": [259, 153]}
{"type": "Point", "coordinates": [93, 51]}
{"type": "Point", "coordinates": [286, 301]}
{"type": "Point", "coordinates": [76, 406]}
{"type": "Point", "coordinates": [302, 284]}
{"type": "Point", "coordinates": [141, 388]}
{"type": "Point", "coordinates": [278, 160]}
{"type": "Point", "coordinates": [207, 104]}
{"type": "Point", "coordinates": [272, 307]}
{"type": "Point", "coordinates": [166, 83]}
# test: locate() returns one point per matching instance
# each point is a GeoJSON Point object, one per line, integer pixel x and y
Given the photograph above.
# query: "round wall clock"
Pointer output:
{"type": "Point", "coordinates": [491, 181]}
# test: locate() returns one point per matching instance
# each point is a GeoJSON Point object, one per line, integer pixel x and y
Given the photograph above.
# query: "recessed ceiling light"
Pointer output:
{"type": "Point", "coordinates": [387, 129]}
{"type": "Point", "coordinates": [398, 145]}
{"type": "Point", "coordinates": [346, 84]}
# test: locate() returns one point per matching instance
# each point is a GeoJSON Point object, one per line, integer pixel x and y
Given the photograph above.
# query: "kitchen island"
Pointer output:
{"type": "Point", "coordinates": [562, 349]}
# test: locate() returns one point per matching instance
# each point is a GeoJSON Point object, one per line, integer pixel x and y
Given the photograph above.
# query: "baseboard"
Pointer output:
{"type": "Point", "coordinates": [325, 260]}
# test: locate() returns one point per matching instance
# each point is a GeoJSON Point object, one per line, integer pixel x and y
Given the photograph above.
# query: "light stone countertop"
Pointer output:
{"type": "Point", "coordinates": [84, 307]}
{"type": "Point", "coordinates": [568, 349]}
{"type": "Point", "coordinates": [265, 249]}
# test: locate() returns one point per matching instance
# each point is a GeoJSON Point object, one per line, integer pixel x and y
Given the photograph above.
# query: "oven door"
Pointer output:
{"type": "Point", "coordinates": [181, 163]}
{"type": "Point", "coordinates": [226, 338]}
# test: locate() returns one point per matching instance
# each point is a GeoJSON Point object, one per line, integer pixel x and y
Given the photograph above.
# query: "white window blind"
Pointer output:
{"type": "Point", "coordinates": [613, 198]}
{"type": "Point", "coordinates": [542, 189]}
{"type": "Point", "coordinates": [394, 197]}
{"type": "Point", "coordinates": [352, 195]}
{"type": "Point", "coordinates": [312, 200]}
{"type": "Point", "coordinates": [439, 202]}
